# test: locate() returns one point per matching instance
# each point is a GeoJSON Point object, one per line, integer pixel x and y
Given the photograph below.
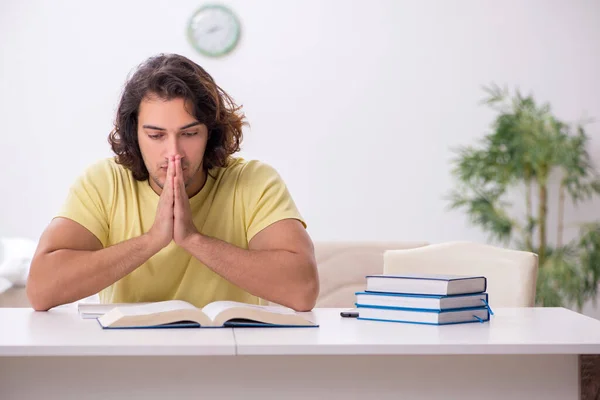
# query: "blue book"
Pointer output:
{"type": "Point", "coordinates": [427, 317]}
{"type": "Point", "coordinates": [431, 284]}
{"type": "Point", "coordinates": [218, 314]}
{"type": "Point", "coordinates": [422, 302]}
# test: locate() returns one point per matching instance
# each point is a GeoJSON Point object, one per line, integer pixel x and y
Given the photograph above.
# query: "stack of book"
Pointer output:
{"type": "Point", "coordinates": [424, 299]}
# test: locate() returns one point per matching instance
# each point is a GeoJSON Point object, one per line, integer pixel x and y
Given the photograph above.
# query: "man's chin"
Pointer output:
{"type": "Point", "coordinates": [158, 182]}
{"type": "Point", "coordinates": [161, 183]}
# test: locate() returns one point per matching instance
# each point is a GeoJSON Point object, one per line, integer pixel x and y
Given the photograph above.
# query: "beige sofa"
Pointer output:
{"type": "Point", "coordinates": [511, 274]}
{"type": "Point", "coordinates": [344, 265]}
{"type": "Point", "coordinates": [14, 297]}
{"type": "Point", "coordinates": [342, 269]}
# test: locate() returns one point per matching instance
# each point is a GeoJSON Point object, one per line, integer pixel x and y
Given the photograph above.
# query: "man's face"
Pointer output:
{"type": "Point", "coordinates": [165, 129]}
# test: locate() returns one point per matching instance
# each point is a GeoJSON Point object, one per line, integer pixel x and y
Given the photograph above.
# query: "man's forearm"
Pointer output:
{"type": "Point", "coordinates": [280, 276]}
{"type": "Point", "coordinates": [64, 276]}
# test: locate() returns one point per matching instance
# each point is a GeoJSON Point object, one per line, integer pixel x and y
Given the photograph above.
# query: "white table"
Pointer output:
{"type": "Point", "coordinates": [519, 354]}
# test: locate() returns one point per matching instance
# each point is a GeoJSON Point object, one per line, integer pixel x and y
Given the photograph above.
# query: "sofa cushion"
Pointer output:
{"type": "Point", "coordinates": [343, 266]}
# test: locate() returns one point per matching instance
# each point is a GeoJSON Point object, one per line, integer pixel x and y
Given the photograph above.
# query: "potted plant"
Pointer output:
{"type": "Point", "coordinates": [529, 157]}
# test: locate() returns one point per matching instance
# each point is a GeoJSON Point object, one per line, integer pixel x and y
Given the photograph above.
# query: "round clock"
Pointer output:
{"type": "Point", "coordinates": [213, 30]}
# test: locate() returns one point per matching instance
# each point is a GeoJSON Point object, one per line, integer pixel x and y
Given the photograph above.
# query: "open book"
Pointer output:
{"type": "Point", "coordinates": [179, 314]}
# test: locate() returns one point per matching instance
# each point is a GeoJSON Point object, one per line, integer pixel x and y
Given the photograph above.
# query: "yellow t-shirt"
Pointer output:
{"type": "Point", "coordinates": [236, 202]}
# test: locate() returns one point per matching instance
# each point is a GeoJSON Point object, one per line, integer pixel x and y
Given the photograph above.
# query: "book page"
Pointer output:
{"type": "Point", "coordinates": [155, 308]}
{"type": "Point", "coordinates": [215, 308]}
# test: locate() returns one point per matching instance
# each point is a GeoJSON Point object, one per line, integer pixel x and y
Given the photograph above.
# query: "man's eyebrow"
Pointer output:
{"type": "Point", "coordinates": [156, 128]}
{"type": "Point", "coordinates": [190, 125]}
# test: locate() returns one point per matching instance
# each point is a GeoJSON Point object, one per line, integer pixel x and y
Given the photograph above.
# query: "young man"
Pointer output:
{"type": "Point", "coordinates": [174, 215]}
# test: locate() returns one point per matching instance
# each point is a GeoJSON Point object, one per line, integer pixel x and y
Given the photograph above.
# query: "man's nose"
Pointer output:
{"type": "Point", "coordinates": [174, 148]}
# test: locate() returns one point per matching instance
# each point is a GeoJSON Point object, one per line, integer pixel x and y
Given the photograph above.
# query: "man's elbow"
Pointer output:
{"type": "Point", "coordinates": [307, 295]}
{"type": "Point", "coordinates": [36, 298]}
{"type": "Point", "coordinates": [36, 293]}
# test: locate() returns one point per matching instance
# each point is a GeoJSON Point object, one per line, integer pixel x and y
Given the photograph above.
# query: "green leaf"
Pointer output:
{"type": "Point", "coordinates": [486, 210]}
{"type": "Point", "coordinates": [527, 144]}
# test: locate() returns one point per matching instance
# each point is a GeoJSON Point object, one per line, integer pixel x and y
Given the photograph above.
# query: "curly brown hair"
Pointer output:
{"type": "Point", "coordinates": [170, 76]}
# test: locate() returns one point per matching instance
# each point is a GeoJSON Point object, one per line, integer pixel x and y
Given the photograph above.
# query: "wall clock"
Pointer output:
{"type": "Point", "coordinates": [214, 30]}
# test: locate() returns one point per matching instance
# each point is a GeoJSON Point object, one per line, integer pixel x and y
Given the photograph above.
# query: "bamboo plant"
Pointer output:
{"type": "Point", "coordinates": [505, 182]}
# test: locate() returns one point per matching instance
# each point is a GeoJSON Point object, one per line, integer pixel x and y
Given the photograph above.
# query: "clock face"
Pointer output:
{"type": "Point", "coordinates": [213, 30]}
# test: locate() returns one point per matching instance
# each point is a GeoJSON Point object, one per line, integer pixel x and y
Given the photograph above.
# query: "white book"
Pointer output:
{"type": "Point", "coordinates": [443, 285]}
{"type": "Point", "coordinates": [424, 317]}
{"type": "Point", "coordinates": [425, 302]}
{"type": "Point", "coordinates": [178, 313]}
{"type": "Point", "coordinates": [95, 310]}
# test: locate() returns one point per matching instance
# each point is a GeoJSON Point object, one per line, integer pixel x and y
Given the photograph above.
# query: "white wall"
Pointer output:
{"type": "Point", "coordinates": [356, 103]}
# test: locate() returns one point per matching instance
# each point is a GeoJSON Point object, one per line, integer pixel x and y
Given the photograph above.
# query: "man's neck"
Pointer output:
{"type": "Point", "coordinates": [197, 183]}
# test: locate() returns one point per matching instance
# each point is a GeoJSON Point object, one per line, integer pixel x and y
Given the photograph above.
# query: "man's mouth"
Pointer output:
{"type": "Point", "coordinates": [165, 168]}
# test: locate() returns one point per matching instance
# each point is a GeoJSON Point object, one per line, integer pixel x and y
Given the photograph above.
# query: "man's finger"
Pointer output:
{"type": "Point", "coordinates": [175, 186]}
{"type": "Point", "coordinates": [172, 168]}
{"type": "Point", "coordinates": [179, 183]}
{"type": "Point", "coordinates": [177, 166]}
{"type": "Point", "coordinates": [170, 175]}
{"type": "Point", "coordinates": [178, 171]}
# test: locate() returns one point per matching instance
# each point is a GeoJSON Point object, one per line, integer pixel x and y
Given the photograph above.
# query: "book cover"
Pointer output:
{"type": "Point", "coordinates": [444, 285]}
{"type": "Point", "coordinates": [427, 317]}
{"type": "Point", "coordinates": [419, 301]}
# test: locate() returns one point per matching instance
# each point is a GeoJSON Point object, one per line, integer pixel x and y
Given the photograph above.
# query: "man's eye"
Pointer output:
{"type": "Point", "coordinates": [154, 136]}
{"type": "Point", "coordinates": [190, 133]}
